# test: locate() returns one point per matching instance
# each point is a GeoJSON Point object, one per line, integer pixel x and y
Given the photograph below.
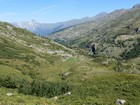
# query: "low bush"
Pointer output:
{"type": "Point", "coordinates": [133, 53]}
{"type": "Point", "coordinates": [43, 88]}
{"type": "Point", "coordinates": [8, 81]}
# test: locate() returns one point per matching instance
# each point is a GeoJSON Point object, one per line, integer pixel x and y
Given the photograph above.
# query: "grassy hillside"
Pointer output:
{"type": "Point", "coordinates": [38, 71]}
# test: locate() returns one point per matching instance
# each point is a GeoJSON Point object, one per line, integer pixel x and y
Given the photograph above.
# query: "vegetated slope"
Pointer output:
{"type": "Point", "coordinates": [25, 58]}
{"type": "Point", "coordinates": [47, 28]}
{"type": "Point", "coordinates": [32, 66]}
{"type": "Point", "coordinates": [28, 52]}
{"type": "Point", "coordinates": [116, 34]}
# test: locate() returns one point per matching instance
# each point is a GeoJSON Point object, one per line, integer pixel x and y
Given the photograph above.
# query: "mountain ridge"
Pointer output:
{"type": "Point", "coordinates": [47, 28]}
{"type": "Point", "coordinates": [103, 32]}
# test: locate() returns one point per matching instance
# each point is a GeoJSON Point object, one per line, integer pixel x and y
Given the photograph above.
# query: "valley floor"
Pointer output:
{"type": "Point", "coordinates": [92, 83]}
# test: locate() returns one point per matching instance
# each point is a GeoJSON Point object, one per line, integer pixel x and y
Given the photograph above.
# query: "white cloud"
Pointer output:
{"type": "Point", "coordinates": [45, 9]}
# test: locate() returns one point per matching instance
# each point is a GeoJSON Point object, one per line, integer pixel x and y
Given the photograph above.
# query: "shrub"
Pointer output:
{"type": "Point", "coordinates": [7, 81]}
{"type": "Point", "coordinates": [133, 53]}
{"type": "Point", "coordinates": [43, 88]}
{"type": "Point", "coordinates": [25, 87]}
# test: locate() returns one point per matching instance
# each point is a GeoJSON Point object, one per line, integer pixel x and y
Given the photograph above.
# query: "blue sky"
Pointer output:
{"type": "Point", "coordinates": [51, 11]}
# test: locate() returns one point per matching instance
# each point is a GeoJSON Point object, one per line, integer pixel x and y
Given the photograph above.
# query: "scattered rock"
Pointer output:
{"type": "Point", "coordinates": [67, 94]}
{"type": "Point", "coordinates": [66, 74]}
{"type": "Point", "coordinates": [9, 28]}
{"type": "Point", "coordinates": [46, 44]}
{"type": "Point", "coordinates": [9, 94]}
{"type": "Point", "coordinates": [55, 98]}
{"type": "Point", "coordinates": [120, 102]}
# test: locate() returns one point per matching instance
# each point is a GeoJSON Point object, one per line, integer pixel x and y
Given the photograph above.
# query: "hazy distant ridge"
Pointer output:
{"type": "Point", "coordinates": [47, 28]}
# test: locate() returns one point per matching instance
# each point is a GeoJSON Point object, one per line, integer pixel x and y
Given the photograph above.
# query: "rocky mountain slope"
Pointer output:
{"type": "Point", "coordinates": [116, 34]}
{"type": "Point", "coordinates": [44, 28]}
{"type": "Point", "coordinates": [39, 71]}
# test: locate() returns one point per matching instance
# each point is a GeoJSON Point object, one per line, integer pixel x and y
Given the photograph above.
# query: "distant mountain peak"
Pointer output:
{"type": "Point", "coordinates": [103, 13]}
{"type": "Point", "coordinates": [33, 23]}
{"type": "Point", "coordinates": [136, 6]}
{"type": "Point", "coordinates": [44, 28]}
